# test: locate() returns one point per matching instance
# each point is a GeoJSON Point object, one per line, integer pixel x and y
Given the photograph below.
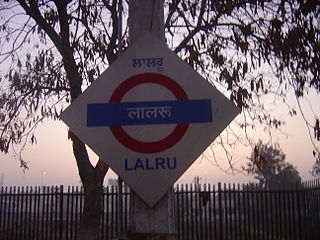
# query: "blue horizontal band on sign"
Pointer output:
{"type": "Point", "coordinates": [148, 113]}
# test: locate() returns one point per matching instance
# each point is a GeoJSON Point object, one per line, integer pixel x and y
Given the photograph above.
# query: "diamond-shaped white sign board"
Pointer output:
{"type": "Point", "coordinates": [149, 116]}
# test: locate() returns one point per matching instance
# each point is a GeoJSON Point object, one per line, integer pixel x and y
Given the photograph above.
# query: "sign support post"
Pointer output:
{"type": "Point", "coordinates": [157, 222]}
{"type": "Point", "coordinates": [143, 114]}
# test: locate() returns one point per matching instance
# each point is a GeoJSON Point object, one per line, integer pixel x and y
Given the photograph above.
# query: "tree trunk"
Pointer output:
{"type": "Point", "coordinates": [91, 176]}
{"type": "Point", "coordinates": [92, 181]}
{"type": "Point", "coordinates": [90, 225]}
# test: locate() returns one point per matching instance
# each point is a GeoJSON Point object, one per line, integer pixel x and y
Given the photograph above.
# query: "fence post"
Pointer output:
{"type": "Point", "coordinates": [19, 211]}
{"type": "Point", "coordinates": [220, 212]}
{"type": "Point", "coordinates": [299, 212]}
{"type": "Point", "coordinates": [61, 213]}
{"type": "Point", "coordinates": [146, 222]}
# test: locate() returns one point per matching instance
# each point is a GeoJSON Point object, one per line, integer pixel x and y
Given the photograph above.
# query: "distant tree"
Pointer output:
{"type": "Point", "coordinates": [267, 164]}
{"type": "Point", "coordinates": [316, 168]}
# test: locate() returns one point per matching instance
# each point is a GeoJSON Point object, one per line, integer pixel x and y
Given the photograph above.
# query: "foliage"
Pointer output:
{"type": "Point", "coordinates": [252, 49]}
{"type": "Point", "coordinates": [268, 165]}
{"type": "Point", "coordinates": [249, 48]}
{"type": "Point", "coordinates": [316, 168]}
{"type": "Point", "coordinates": [50, 49]}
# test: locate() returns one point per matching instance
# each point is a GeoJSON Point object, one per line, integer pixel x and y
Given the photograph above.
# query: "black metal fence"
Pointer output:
{"type": "Point", "coordinates": [203, 212]}
{"type": "Point", "coordinates": [247, 212]}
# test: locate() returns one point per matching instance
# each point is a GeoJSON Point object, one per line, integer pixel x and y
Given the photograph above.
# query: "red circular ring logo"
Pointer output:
{"type": "Point", "coordinates": [149, 147]}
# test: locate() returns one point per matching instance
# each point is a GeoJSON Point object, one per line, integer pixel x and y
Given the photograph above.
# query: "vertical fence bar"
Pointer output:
{"type": "Point", "coordinates": [294, 215]}
{"type": "Point", "coordinates": [30, 214]}
{"type": "Point", "coordinates": [299, 214]}
{"type": "Point", "coordinates": [275, 215]}
{"type": "Point", "coordinates": [281, 214]}
{"type": "Point", "coordinates": [72, 224]}
{"type": "Point", "coordinates": [56, 213]}
{"type": "Point", "coordinates": [47, 204]}
{"type": "Point", "coordinates": [318, 209]}
{"type": "Point", "coordinates": [34, 212]}
{"type": "Point", "coordinates": [43, 212]}
{"type": "Point", "coordinates": [116, 217]}
{"type": "Point", "coordinates": [193, 215]}
{"type": "Point", "coordinates": [312, 214]}
{"type": "Point", "coordinates": [25, 213]}
{"type": "Point", "coordinates": [61, 212]}
{"type": "Point", "coordinates": [51, 221]}
{"type": "Point", "coordinates": [267, 212]}
{"type": "Point", "coordinates": [235, 212]}
{"type": "Point", "coordinates": [253, 207]}
{"type": "Point", "coordinates": [225, 208]}
{"type": "Point", "coordinates": [26, 233]}
{"type": "Point", "coordinates": [14, 214]}
{"type": "Point", "coordinates": [112, 209]}
{"type": "Point", "coordinates": [291, 225]}
{"type": "Point", "coordinates": [202, 213]}
{"type": "Point", "coordinates": [76, 211]}
{"type": "Point", "coordinates": [107, 214]}
{"type": "Point", "coordinates": [317, 222]}
{"type": "Point", "coordinates": [185, 202]}
{"type": "Point", "coordinates": [10, 229]}
{"type": "Point", "coordinates": [187, 234]}
{"type": "Point", "coordinates": [245, 216]}
{"type": "Point", "coordinates": [205, 204]}
{"type": "Point", "coordinates": [67, 213]}
{"type": "Point", "coordinates": [38, 198]}
{"type": "Point", "coordinates": [196, 222]}
{"type": "Point", "coordinates": [231, 213]}
{"type": "Point", "coordinates": [178, 205]}
{"type": "Point", "coordinates": [220, 212]}
{"type": "Point", "coordinates": [315, 211]}
{"type": "Point", "coordinates": [17, 225]}
{"type": "Point", "coordinates": [177, 210]}
{"type": "Point", "coordinates": [120, 205]}
{"type": "Point", "coordinates": [186, 231]}
{"type": "Point", "coordinates": [272, 213]}
{"type": "Point", "coordinates": [102, 231]}
{"type": "Point", "coordinates": [263, 213]}
{"type": "Point", "coordinates": [307, 213]}
{"type": "Point", "coordinates": [56, 207]}
{"type": "Point", "coordinates": [211, 196]}
{"type": "Point", "coordinates": [192, 212]}
{"type": "Point", "coordinates": [127, 201]}
{"type": "Point", "coordinates": [285, 214]}
{"type": "Point", "coordinates": [5, 209]}
{"type": "Point", "coordinates": [239, 219]}
{"type": "Point", "coordinates": [248, 208]}
{"type": "Point", "coordinates": [21, 213]}
{"type": "Point", "coordinates": [1, 213]}
{"type": "Point", "coordinates": [259, 214]}
{"type": "Point", "coordinates": [9, 213]}
{"type": "Point", "coordinates": [215, 227]}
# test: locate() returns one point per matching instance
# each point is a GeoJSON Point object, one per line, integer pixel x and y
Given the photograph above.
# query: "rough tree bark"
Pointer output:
{"type": "Point", "coordinates": [91, 176]}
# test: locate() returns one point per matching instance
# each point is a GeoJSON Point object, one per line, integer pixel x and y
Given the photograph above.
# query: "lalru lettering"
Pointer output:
{"type": "Point", "coordinates": [148, 164]}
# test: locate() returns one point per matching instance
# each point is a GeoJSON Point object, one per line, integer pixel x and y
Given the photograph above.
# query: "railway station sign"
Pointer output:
{"type": "Point", "coordinates": [149, 116]}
